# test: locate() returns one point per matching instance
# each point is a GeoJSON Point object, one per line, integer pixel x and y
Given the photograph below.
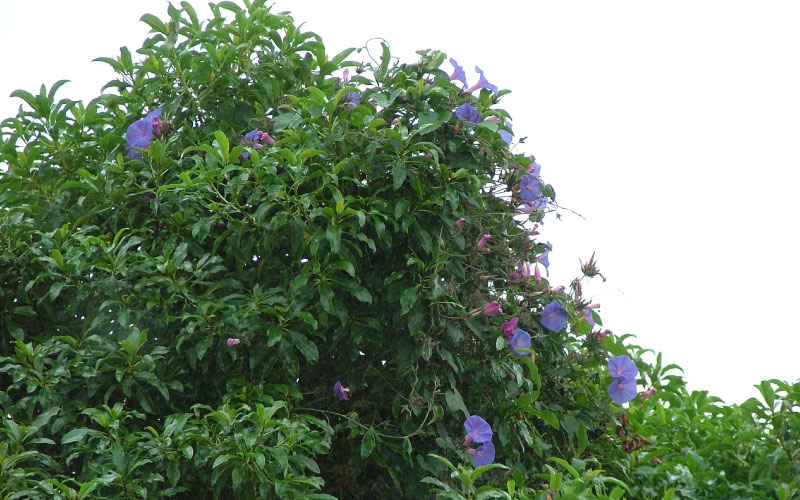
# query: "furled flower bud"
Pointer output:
{"type": "Point", "coordinates": [233, 341]}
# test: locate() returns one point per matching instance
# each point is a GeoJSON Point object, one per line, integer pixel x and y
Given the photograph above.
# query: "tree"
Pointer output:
{"type": "Point", "coordinates": [254, 270]}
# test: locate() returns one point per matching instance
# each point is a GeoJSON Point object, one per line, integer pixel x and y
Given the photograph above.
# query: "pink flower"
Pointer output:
{"type": "Point", "coordinates": [460, 222]}
{"type": "Point", "coordinates": [509, 327]}
{"type": "Point", "coordinates": [648, 394]}
{"type": "Point", "coordinates": [346, 75]}
{"type": "Point", "coordinates": [233, 341]}
{"type": "Point", "coordinates": [493, 308]}
{"type": "Point", "coordinates": [484, 239]}
{"type": "Point", "coordinates": [558, 289]}
{"type": "Point", "coordinates": [264, 137]}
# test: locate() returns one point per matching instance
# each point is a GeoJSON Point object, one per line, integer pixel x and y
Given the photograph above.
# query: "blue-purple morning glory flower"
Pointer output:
{"type": "Point", "coordinates": [468, 113]}
{"type": "Point", "coordinates": [588, 317]}
{"type": "Point", "coordinates": [535, 169]}
{"type": "Point", "coordinates": [529, 187]}
{"type": "Point", "coordinates": [483, 83]}
{"type": "Point", "coordinates": [622, 389]}
{"type": "Point", "coordinates": [351, 100]}
{"type": "Point", "coordinates": [484, 454]}
{"type": "Point", "coordinates": [544, 259]}
{"type": "Point", "coordinates": [554, 317]}
{"type": "Point", "coordinates": [622, 366]}
{"type": "Point", "coordinates": [478, 430]}
{"type": "Point", "coordinates": [141, 132]}
{"type": "Point", "coordinates": [521, 339]}
{"type": "Point", "coordinates": [458, 73]}
{"type": "Point", "coordinates": [340, 391]}
{"type": "Point", "coordinates": [504, 134]}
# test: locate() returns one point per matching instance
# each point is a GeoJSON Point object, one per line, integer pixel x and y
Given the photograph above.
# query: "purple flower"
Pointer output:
{"type": "Point", "coordinates": [484, 240]}
{"type": "Point", "coordinates": [233, 341]}
{"type": "Point", "coordinates": [460, 222]}
{"type": "Point", "coordinates": [544, 259]}
{"type": "Point", "coordinates": [340, 391]}
{"type": "Point", "coordinates": [508, 328]}
{"type": "Point", "coordinates": [648, 394]}
{"type": "Point", "coordinates": [554, 317]}
{"type": "Point", "coordinates": [351, 100]}
{"type": "Point", "coordinates": [493, 308]}
{"type": "Point", "coordinates": [458, 73]}
{"type": "Point", "coordinates": [622, 367]}
{"type": "Point", "coordinates": [587, 316]}
{"type": "Point", "coordinates": [478, 430]}
{"type": "Point", "coordinates": [483, 83]}
{"type": "Point", "coordinates": [622, 389]}
{"type": "Point", "coordinates": [521, 339]}
{"type": "Point", "coordinates": [530, 187]}
{"type": "Point", "coordinates": [468, 113]}
{"type": "Point", "coordinates": [141, 132]}
{"type": "Point", "coordinates": [535, 169]}
{"type": "Point", "coordinates": [484, 454]}
{"type": "Point", "coordinates": [504, 134]}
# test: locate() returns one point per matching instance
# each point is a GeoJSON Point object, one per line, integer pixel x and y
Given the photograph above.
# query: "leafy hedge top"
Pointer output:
{"type": "Point", "coordinates": [253, 271]}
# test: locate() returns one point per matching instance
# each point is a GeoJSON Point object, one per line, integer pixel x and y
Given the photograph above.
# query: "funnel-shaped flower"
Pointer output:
{"type": "Point", "coordinates": [484, 454]}
{"type": "Point", "coordinates": [458, 73]}
{"type": "Point", "coordinates": [468, 113]}
{"type": "Point", "coordinates": [521, 339]}
{"type": "Point", "coordinates": [493, 308]}
{"type": "Point", "coordinates": [554, 317]}
{"type": "Point", "coordinates": [141, 132]}
{"type": "Point", "coordinates": [530, 187]}
{"type": "Point", "coordinates": [504, 134]}
{"type": "Point", "coordinates": [622, 366]}
{"type": "Point", "coordinates": [478, 430]}
{"type": "Point", "coordinates": [340, 391]}
{"type": "Point", "coordinates": [483, 83]}
{"type": "Point", "coordinates": [622, 389]}
{"type": "Point", "coordinates": [508, 328]}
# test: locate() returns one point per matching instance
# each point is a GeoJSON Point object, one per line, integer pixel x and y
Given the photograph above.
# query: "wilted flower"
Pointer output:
{"type": "Point", "coordinates": [522, 273]}
{"type": "Point", "coordinates": [508, 328]}
{"type": "Point", "coordinates": [458, 73]}
{"type": "Point", "coordinates": [622, 367]}
{"type": "Point", "coordinates": [468, 113]}
{"type": "Point", "coordinates": [521, 339]}
{"type": "Point", "coordinates": [460, 222]}
{"type": "Point", "coordinates": [590, 268]}
{"type": "Point", "coordinates": [483, 83]}
{"type": "Point", "coordinates": [535, 168]}
{"type": "Point", "coordinates": [478, 430]}
{"type": "Point", "coordinates": [340, 391]}
{"type": "Point", "coordinates": [265, 138]}
{"type": "Point", "coordinates": [622, 389]}
{"type": "Point", "coordinates": [558, 289]}
{"type": "Point", "coordinates": [233, 341]}
{"type": "Point", "coordinates": [484, 239]}
{"type": "Point", "coordinates": [648, 394]}
{"type": "Point", "coordinates": [141, 132]}
{"type": "Point", "coordinates": [493, 308]}
{"type": "Point", "coordinates": [484, 454]}
{"type": "Point", "coordinates": [554, 317]}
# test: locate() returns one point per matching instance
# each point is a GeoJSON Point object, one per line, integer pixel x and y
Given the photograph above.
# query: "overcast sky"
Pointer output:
{"type": "Point", "coordinates": [672, 127]}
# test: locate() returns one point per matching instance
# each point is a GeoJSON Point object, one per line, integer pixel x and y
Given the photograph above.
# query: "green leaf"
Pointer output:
{"type": "Point", "coordinates": [398, 174]}
{"type": "Point", "coordinates": [368, 443]}
{"type": "Point", "coordinates": [307, 348]}
{"type": "Point", "coordinates": [155, 23]}
{"type": "Point", "coordinates": [75, 435]}
{"type": "Point", "coordinates": [455, 402]}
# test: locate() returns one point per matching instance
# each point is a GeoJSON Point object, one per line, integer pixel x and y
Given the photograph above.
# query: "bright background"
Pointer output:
{"type": "Point", "coordinates": [672, 127]}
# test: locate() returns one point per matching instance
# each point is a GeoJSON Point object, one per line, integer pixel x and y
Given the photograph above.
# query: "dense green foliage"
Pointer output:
{"type": "Point", "coordinates": [334, 254]}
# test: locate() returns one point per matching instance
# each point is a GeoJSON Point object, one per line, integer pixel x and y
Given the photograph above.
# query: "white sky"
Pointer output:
{"type": "Point", "coordinates": [671, 126]}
